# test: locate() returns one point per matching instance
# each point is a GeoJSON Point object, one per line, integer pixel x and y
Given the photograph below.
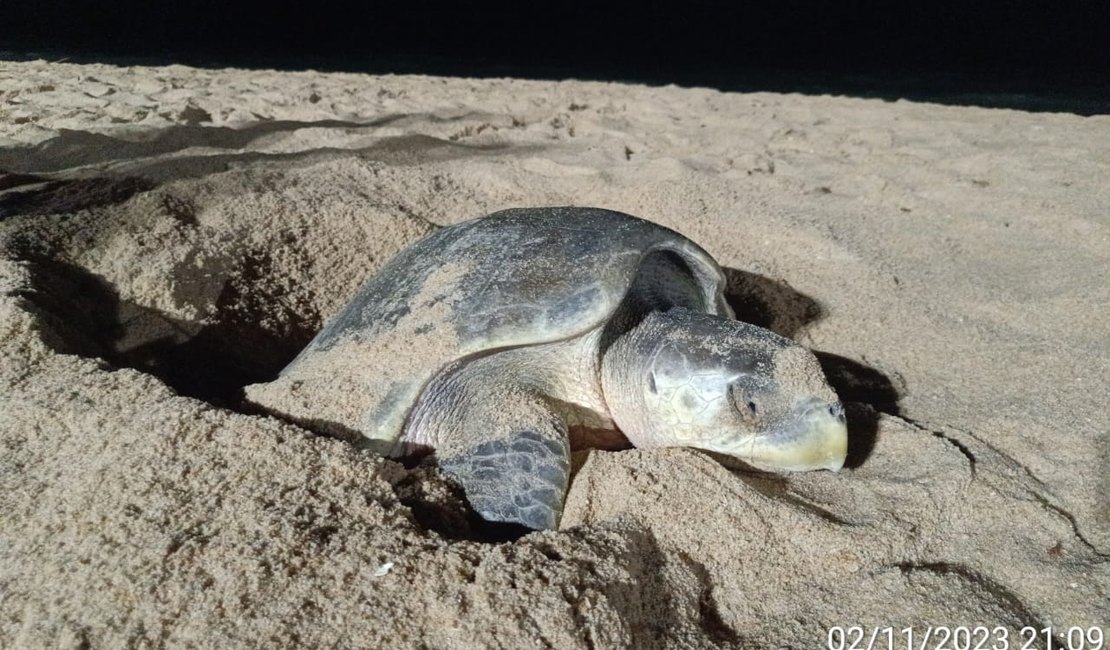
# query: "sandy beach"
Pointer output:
{"type": "Point", "coordinates": [170, 235]}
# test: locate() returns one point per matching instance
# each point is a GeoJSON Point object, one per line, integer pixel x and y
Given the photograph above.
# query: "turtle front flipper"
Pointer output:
{"type": "Point", "coordinates": [500, 441]}
{"type": "Point", "coordinates": [519, 479]}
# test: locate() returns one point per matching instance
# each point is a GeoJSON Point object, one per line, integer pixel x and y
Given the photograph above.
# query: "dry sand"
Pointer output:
{"type": "Point", "coordinates": [169, 235]}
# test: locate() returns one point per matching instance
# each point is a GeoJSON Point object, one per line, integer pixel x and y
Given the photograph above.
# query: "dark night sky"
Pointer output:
{"type": "Point", "coordinates": [1057, 53]}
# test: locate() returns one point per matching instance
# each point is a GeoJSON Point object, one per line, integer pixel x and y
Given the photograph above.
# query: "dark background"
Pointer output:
{"type": "Point", "coordinates": [1025, 54]}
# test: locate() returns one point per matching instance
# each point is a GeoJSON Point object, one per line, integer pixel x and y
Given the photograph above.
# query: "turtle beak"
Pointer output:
{"type": "Point", "coordinates": [815, 438]}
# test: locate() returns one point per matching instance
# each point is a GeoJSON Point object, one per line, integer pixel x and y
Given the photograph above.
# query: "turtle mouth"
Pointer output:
{"type": "Point", "coordinates": [816, 438]}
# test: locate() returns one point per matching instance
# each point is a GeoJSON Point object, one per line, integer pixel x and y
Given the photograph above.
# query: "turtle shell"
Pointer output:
{"type": "Point", "coordinates": [513, 278]}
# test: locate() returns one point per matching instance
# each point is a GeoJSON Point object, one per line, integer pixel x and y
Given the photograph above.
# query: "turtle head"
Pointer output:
{"type": "Point", "coordinates": [683, 378]}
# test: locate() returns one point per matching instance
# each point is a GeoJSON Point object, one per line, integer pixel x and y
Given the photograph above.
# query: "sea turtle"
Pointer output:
{"type": "Point", "coordinates": [504, 342]}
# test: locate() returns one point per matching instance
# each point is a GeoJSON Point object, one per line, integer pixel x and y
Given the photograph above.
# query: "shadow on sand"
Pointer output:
{"type": "Point", "coordinates": [83, 314]}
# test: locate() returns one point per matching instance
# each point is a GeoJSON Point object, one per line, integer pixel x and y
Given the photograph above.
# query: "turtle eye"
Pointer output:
{"type": "Point", "coordinates": [743, 403]}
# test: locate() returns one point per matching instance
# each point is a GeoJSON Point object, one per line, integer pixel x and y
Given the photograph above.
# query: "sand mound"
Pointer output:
{"type": "Point", "coordinates": [171, 235]}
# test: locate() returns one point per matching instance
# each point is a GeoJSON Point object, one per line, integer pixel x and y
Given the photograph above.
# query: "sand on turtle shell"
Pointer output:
{"type": "Point", "coordinates": [332, 391]}
{"type": "Point", "coordinates": [170, 235]}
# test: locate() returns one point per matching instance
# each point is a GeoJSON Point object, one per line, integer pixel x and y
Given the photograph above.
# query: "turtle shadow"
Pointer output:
{"type": "Point", "coordinates": [867, 393]}
{"type": "Point", "coordinates": [769, 303]}
{"type": "Point", "coordinates": [865, 390]}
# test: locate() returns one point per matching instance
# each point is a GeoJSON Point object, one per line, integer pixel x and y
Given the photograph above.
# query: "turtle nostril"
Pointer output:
{"type": "Point", "coordinates": [837, 411]}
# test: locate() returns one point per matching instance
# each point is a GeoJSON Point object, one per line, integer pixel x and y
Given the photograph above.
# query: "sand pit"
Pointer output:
{"type": "Point", "coordinates": [170, 235]}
